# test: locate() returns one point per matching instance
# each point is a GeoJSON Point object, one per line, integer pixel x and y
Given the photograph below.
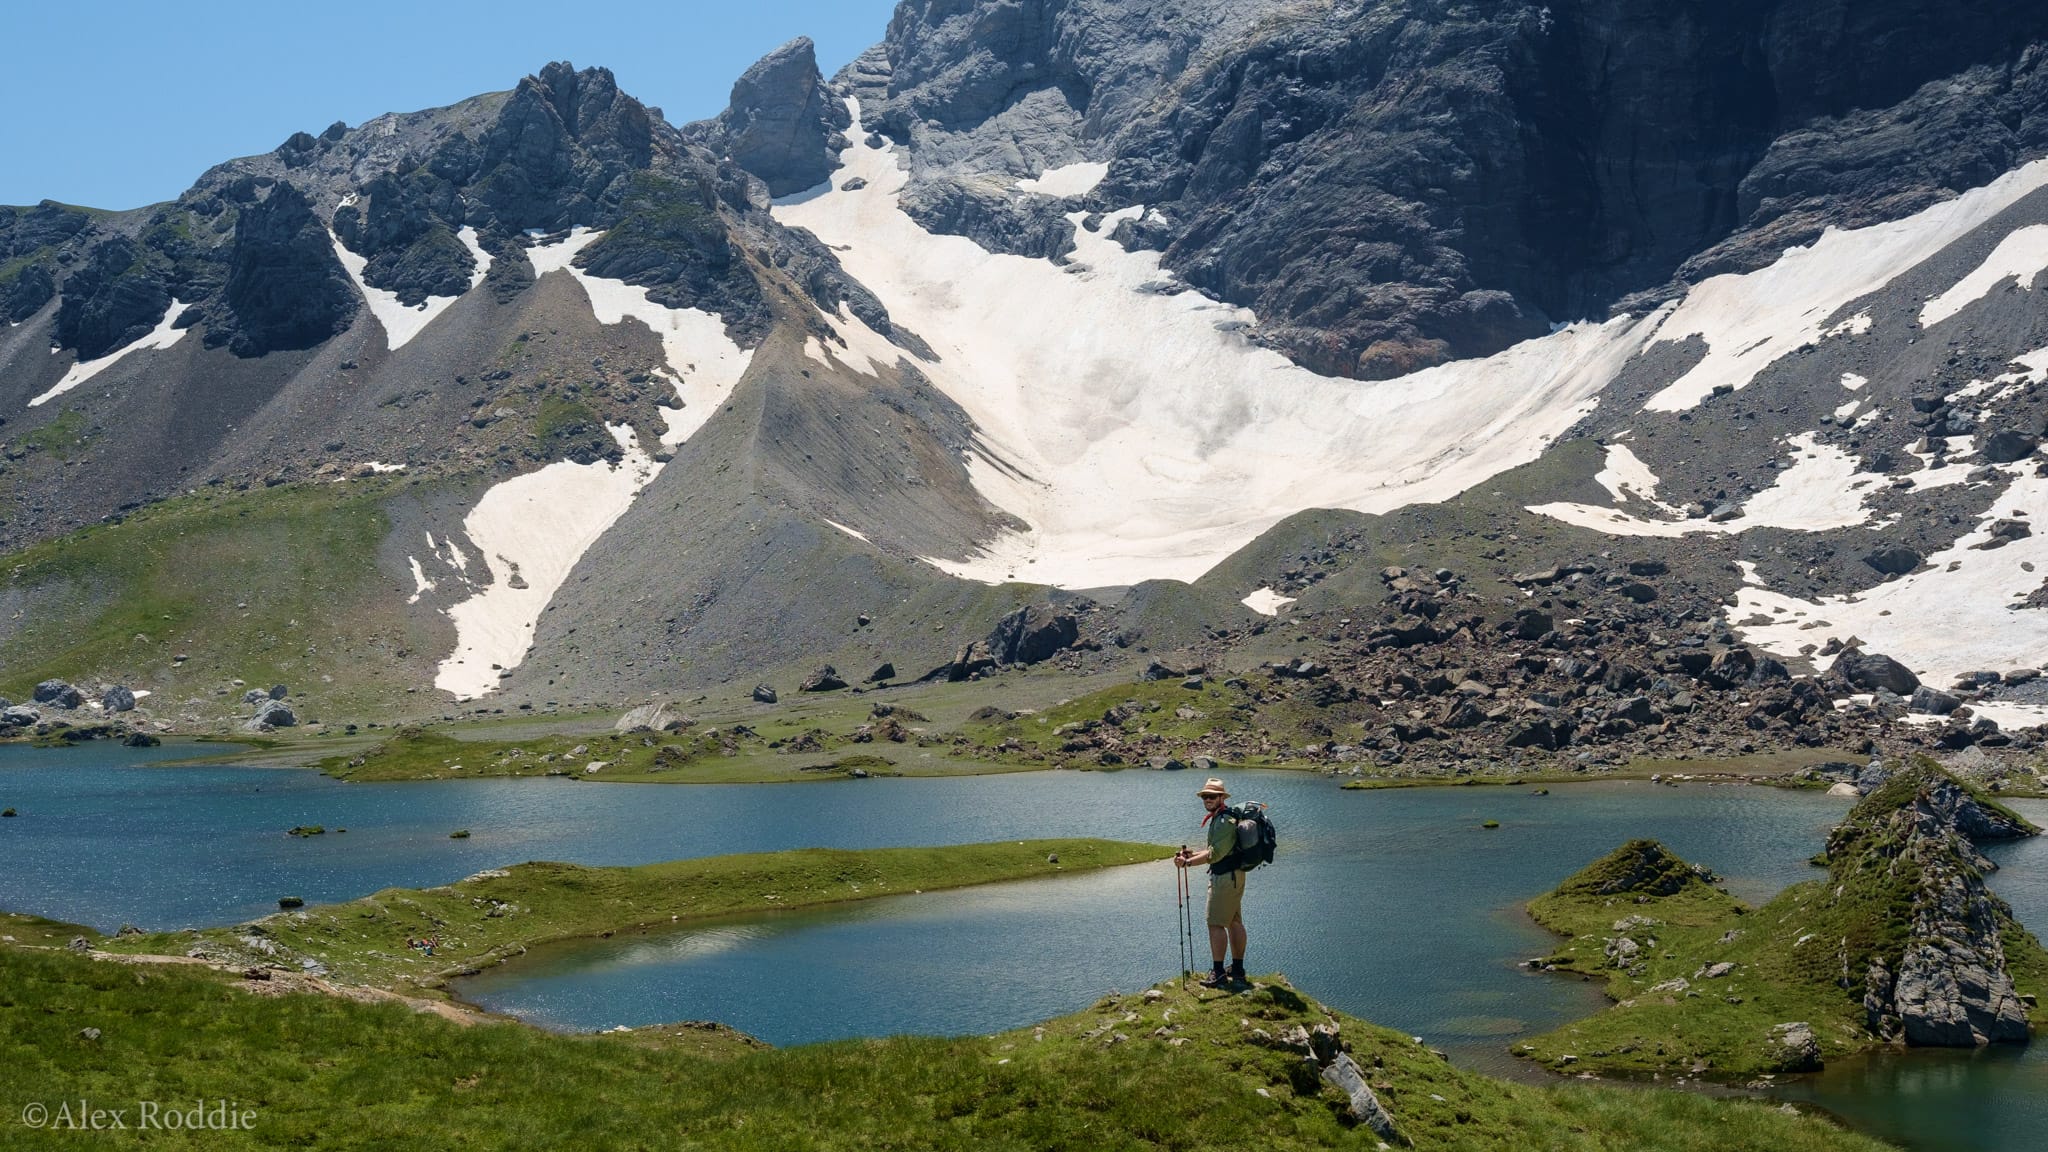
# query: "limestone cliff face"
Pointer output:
{"type": "Point", "coordinates": [1398, 183]}
{"type": "Point", "coordinates": [783, 124]}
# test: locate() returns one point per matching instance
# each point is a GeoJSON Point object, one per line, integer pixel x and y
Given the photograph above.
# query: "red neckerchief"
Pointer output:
{"type": "Point", "coordinates": [1213, 815]}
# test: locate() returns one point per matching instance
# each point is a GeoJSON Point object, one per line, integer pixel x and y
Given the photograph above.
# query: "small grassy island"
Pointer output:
{"type": "Point", "coordinates": [1901, 943]}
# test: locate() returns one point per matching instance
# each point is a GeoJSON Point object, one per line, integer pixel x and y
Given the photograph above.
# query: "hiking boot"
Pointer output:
{"type": "Point", "coordinates": [1215, 980]}
{"type": "Point", "coordinates": [1236, 975]}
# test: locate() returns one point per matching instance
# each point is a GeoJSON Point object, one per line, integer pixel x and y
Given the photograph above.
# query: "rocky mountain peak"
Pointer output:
{"type": "Point", "coordinates": [782, 123]}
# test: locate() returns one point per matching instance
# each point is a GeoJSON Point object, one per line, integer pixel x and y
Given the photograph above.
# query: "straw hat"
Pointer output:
{"type": "Point", "coordinates": [1213, 788]}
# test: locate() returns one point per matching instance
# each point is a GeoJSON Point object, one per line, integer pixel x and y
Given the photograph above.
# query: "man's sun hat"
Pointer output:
{"type": "Point", "coordinates": [1213, 788]}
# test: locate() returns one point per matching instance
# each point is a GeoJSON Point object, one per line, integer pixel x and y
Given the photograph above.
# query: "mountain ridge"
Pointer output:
{"type": "Point", "coordinates": [1030, 305]}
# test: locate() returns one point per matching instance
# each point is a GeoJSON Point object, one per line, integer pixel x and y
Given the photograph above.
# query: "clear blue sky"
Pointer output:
{"type": "Point", "coordinates": [120, 103]}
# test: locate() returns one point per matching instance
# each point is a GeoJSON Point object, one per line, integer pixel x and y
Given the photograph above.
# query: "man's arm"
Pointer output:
{"type": "Point", "coordinates": [1200, 856]}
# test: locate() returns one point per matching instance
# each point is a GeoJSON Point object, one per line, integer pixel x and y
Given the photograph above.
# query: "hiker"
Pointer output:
{"type": "Point", "coordinates": [1226, 884]}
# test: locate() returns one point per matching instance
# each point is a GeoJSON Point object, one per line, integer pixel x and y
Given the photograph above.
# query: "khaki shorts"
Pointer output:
{"type": "Point", "coordinates": [1226, 898]}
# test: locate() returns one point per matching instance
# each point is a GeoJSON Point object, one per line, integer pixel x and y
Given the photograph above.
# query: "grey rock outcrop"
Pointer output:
{"type": "Point", "coordinates": [285, 288]}
{"type": "Point", "coordinates": [1932, 701]}
{"type": "Point", "coordinates": [1795, 1046]}
{"type": "Point", "coordinates": [1907, 853]}
{"type": "Point", "coordinates": [272, 714]}
{"type": "Point", "coordinates": [1893, 559]}
{"type": "Point", "coordinates": [58, 694]}
{"type": "Point", "coordinates": [651, 717]}
{"type": "Point", "coordinates": [782, 124]}
{"type": "Point", "coordinates": [825, 679]}
{"type": "Point", "coordinates": [2005, 446]}
{"type": "Point", "coordinates": [1033, 633]}
{"type": "Point", "coordinates": [764, 694]}
{"type": "Point", "coordinates": [1027, 635]}
{"type": "Point", "coordinates": [1871, 671]}
{"type": "Point", "coordinates": [1343, 1073]}
{"type": "Point", "coordinates": [117, 698]}
{"type": "Point", "coordinates": [28, 237]}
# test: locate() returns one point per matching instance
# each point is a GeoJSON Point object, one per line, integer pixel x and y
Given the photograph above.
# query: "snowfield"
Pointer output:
{"type": "Point", "coordinates": [2022, 254]}
{"type": "Point", "coordinates": [1821, 490]}
{"type": "Point", "coordinates": [399, 322]}
{"type": "Point", "coordinates": [162, 336]}
{"type": "Point", "coordinates": [1749, 320]}
{"type": "Point", "coordinates": [1138, 432]}
{"type": "Point", "coordinates": [1951, 617]}
{"type": "Point", "coordinates": [531, 530]}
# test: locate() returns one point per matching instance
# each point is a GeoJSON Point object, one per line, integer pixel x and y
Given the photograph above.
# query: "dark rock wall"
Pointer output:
{"type": "Point", "coordinates": [285, 288]}
{"type": "Point", "coordinates": [1395, 184]}
{"type": "Point", "coordinates": [782, 124]}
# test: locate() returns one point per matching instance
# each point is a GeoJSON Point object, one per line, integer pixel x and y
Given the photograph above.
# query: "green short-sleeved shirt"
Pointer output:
{"type": "Point", "coordinates": [1222, 836]}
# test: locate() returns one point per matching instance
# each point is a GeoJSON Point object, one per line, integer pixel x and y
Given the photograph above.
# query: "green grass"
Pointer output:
{"type": "Point", "coordinates": [271, 586]}
{"type": "Point", "coordinates": [11, 270]}
{"type": "Point", "coordinates": [330, 1073]}
{"type": "Point", "coordinates": [707, 754]}
{"type": "Point", "coordinates": [500, 913]}
{"type": "Point", "coordinates": [60, 437]}
{"type": "Point", "coordinates": [1134, 713]}
{"type": "Point", "coordinates": [560, 416]}
{"type": "Point", "coordinates": [37, 932]}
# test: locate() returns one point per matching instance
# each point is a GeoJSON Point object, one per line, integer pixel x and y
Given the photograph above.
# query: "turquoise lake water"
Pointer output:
{"type": "Point", "coordinates": [1393, 905]}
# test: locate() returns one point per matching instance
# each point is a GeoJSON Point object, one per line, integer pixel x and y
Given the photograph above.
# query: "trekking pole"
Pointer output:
{"type": "Point", "coordinates": [1187, 944]}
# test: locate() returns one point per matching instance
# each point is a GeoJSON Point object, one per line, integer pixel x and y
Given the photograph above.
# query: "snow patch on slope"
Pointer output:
{"type": "Point", "coordinates": [160, 337]}
{"type": "Point", "coordinates": [1266, 602]}
{"type": "Point", "coordinates": [1951, 617]}
{"type": "Point", "coordinates": [420, 584]}
{"type": "Point", "coordinates": [858, 342]}
{"type": "Point", "coordinates": [705, 364]}
{"type": "Point", "coordinates": [1624, 476]}
{"type": "Point", "coordinates": [400, 323]}
{"type": "Point", "coordinates": [532, 530]}
{"type": "Point", "coordinates": [1140, 434]}
{"type": "Point", "coordinates": [1069, 180]}
{"type": "Point", "coordinates": [1750, 320]}
{"type": "Point", "coordinates": [483, 259]}
{"type": "Point", "coordinates": [1820, 491]}
{"type": "Point", "coordinates": [2023, 254]}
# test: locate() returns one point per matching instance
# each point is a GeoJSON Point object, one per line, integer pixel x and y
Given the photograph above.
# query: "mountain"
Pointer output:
{"type": "Point", "coordinates": [1175, 320]}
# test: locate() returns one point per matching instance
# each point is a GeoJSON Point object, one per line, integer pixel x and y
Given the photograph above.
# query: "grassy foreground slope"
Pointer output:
{"type": "Point", "coordinates": [276, 585]}
{"type": "Point", "coordinates": [1179, 1071]}
{"type": "Point", "coordinates": [499, 913]}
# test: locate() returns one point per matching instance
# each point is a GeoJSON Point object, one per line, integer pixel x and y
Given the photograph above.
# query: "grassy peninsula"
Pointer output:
{"type": "Point", "coordinates": [498, 914]}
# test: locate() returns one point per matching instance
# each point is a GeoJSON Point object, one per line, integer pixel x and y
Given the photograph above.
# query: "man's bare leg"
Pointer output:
{"type": "Point", "coordinates": [1217, 937]}
{"type": "Point", "coordinates": [1236, 941]}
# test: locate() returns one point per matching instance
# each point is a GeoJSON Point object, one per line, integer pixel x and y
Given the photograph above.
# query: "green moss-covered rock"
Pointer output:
{"type": "Point", "coordinates": [1639, 867]}
{"type": "Point", "coordinates": [1901, 943]}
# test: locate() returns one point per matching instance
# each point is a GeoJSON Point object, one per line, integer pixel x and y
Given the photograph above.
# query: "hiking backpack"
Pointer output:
{"type": "Point", "coordinates": [1255, 837]}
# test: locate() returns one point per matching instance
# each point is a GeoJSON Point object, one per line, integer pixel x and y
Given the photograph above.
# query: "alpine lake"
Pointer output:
{"type": "Point", "coordinates": [1395, 905]}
